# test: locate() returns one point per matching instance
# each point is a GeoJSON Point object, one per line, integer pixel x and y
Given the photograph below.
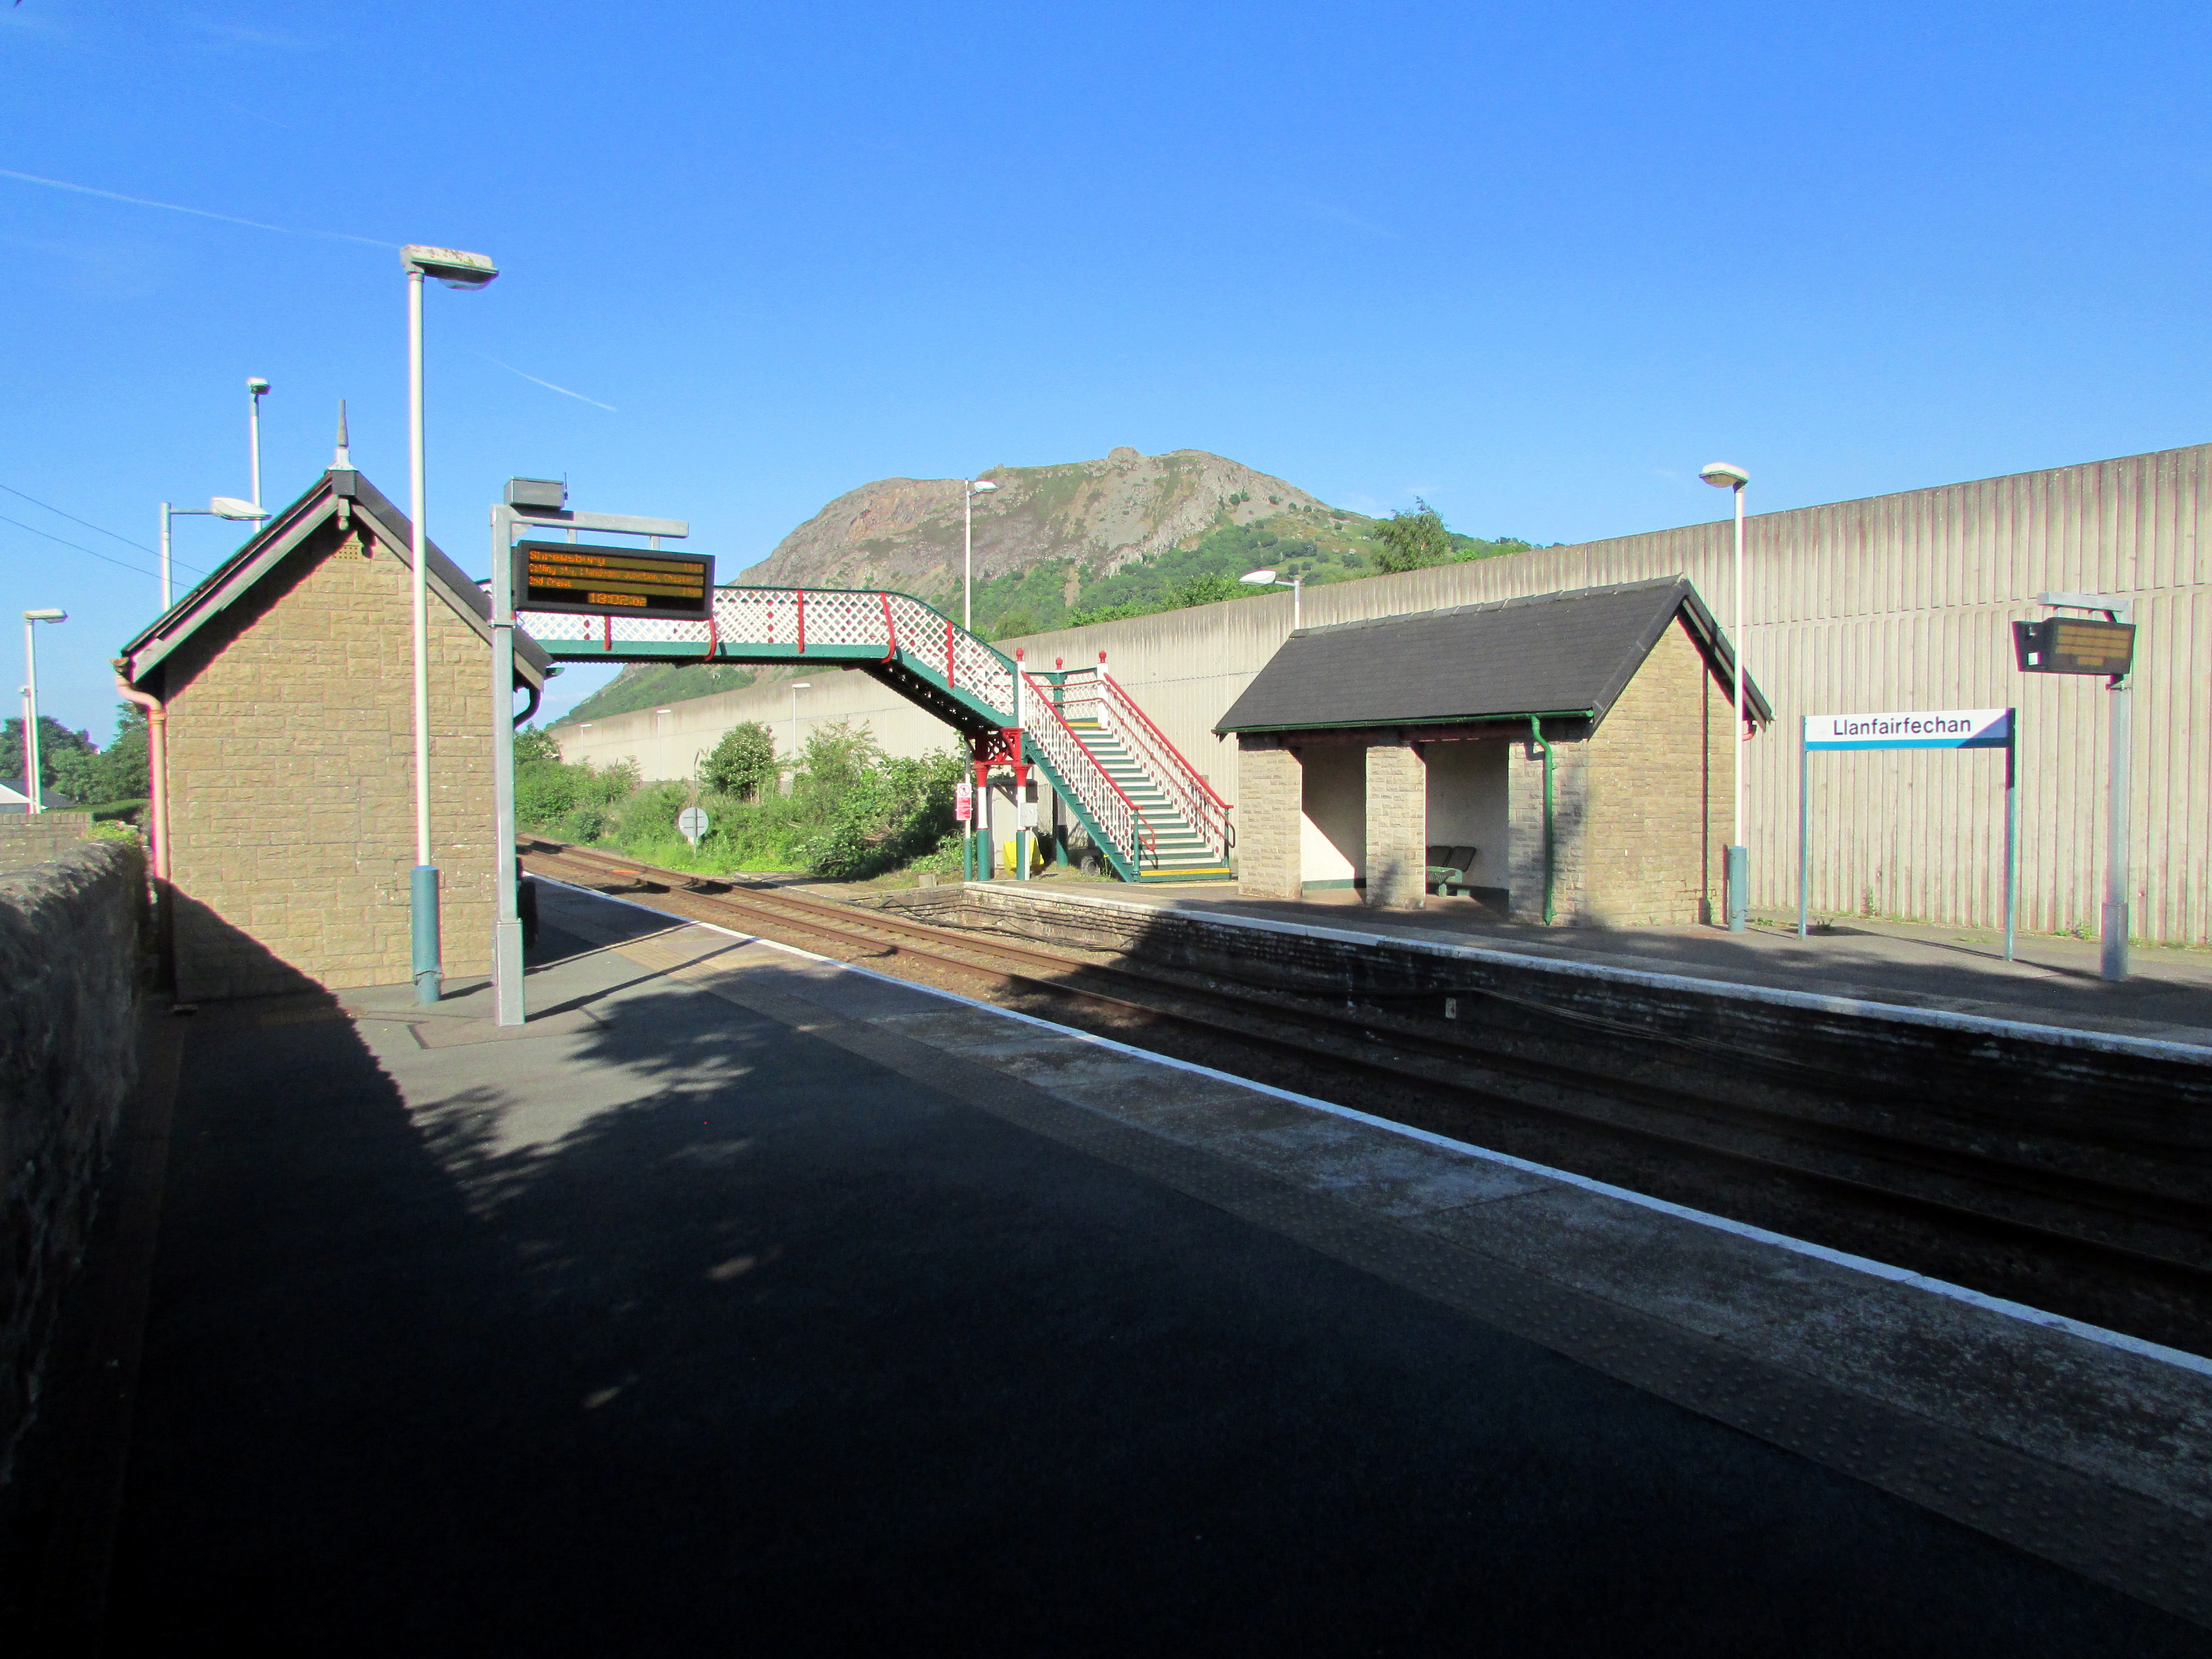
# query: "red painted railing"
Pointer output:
{"type": "Point", "coordinates": [1091, 693]}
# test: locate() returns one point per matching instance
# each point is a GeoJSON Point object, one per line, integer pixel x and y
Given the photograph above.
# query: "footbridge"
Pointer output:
{"type": "Point", "coordinates": [1150, 813]}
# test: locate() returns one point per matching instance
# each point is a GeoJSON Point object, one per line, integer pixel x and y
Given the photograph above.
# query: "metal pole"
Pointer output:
{"type": "Point", "coordinates": [423, 879]}
{"type": "Point", "coordinates": [254, 436]}
{"type": "Point", "coordinates": [1738, 859]}
{"type": "Point", "coordinates": [2012, 828]}
{"type": "Point", "coordinates": [967, 553]}
{"type": "Point", "coordinates": [165, 558]}
{"type": "Point", "coordinates": [31, 788]}
{"type": "Point", "coordinates": [1297, 603]}
{"type": "Point", "coordinates": [2115, 962]}
{"type": "Point", "coordinates": [1804, 820]}
{"type": "Point", "coordinates": [1021, 780]}
{"type": "Point", "coordinates": [508, 1007]}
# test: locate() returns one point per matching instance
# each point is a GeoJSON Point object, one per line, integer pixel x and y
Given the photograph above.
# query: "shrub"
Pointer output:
{"type": "Point", "coordinates": [742, 763]}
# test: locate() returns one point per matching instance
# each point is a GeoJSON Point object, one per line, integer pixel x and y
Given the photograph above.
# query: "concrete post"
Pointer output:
{"type": "Point", "coordinates": [1270, 791]}
{"type": "Point", "coordinates": [1397, 826]}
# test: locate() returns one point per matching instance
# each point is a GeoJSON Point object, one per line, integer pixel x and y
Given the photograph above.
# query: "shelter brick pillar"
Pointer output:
{"type": "Point", "coordinates": [1397, 826]}
{"type": "Point", "coordinates": [1524, 778]}
{"type": "Point", "coordinates": [1270, 793]}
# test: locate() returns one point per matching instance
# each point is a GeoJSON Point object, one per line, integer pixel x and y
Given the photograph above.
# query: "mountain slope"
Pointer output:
{"type": "Point", "coordinates": [1094, 516]}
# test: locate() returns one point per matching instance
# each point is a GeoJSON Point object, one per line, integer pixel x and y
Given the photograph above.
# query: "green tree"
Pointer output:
{"type": "Point", "coordinates": [835, 764]}
{"type": "Point", "coordinates": [742, 763]}
{"type": "Point", "coordinates": [125, 772]}
{"type": "Point", "coordinates": [65, 757]}
{"type": "Point", "coordinates": [1210, 588]}
{"type": "Point", "coordinates": [1412, 541]}
{"type": "Point", "coordinates": [532, 745]}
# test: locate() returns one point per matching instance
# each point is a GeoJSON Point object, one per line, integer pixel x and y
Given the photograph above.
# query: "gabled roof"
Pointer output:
{"type": "Point", "coordinates": [339, 490]}
{"type": "Point", "coordinates": [1550, 653]}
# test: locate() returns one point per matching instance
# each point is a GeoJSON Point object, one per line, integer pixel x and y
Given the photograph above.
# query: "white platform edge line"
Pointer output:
{"type": "Point", "coordinates": [2063, 1036]}
{"type": "Point", "coordinates": [2180, 1359]}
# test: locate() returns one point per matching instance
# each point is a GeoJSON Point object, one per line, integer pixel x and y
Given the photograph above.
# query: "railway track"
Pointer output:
{"type": "Point", "coordinates": [2137, 1260]}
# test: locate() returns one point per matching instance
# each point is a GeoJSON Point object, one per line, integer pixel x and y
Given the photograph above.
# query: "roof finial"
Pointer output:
{"type": "Point", "coordinates": [344, 459]}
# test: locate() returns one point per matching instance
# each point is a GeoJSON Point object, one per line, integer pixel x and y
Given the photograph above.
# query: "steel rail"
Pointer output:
{"type": "Point", "coordinates": [829, 920]}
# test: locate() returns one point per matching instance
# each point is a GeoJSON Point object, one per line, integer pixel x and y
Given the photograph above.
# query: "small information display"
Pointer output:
{"type": "Point", "coordinates": [691, 823]}
{"type": "Point", "coordinates": [2074, 644]}
{"type": "Point", "coordinates": [579, 579]}
{"type": "Point", "coordinates": [963, 801]}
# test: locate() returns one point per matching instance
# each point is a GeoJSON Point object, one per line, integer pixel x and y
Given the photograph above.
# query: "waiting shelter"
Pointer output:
{"type": "Point", "coordinates": [284, 684]}
{"type": "Point", "coordinates": [1562, 758]}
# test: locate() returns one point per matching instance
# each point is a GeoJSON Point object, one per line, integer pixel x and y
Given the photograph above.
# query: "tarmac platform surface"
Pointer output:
{"type": "Point", "coordinates": [744, 1302]}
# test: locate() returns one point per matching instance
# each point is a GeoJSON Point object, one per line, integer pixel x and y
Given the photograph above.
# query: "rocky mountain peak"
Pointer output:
{"type": "Point", "coordinates": [1099, 515]}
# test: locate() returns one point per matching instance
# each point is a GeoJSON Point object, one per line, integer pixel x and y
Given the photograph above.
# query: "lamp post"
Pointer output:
{"type": "Point", "coordinates": [455, 269]}
{"type": "Point", "coordinates": [1722, 476]}
{"type": "Point", "coordinates": [969, 489]}
{"type": "Point", "coordinates": [1296, 584]}
{"type": "Point", "coordinates": [221, 507]}
{"type": "Point", "coordinates": [797, 686]}
{"type": "Point", "coordinates": [31, 620]}
{"type": "Point", "coordinates": [254, 387]}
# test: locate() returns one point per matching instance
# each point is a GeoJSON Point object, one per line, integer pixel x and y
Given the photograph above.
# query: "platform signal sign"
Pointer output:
{"type": "Point", "coordinates": [576, 578]}
{"type": "Point", "coordinates": [2074, 645]}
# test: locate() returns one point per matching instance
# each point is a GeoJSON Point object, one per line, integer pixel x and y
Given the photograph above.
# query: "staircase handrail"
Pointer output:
{"type": "Point", "coordinates": [1163, 763]}
{"type": "Point", "coordinates": [1121, 818]}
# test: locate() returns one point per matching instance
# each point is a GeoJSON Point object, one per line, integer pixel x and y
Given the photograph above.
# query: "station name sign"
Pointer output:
{"type": "Point", "coordinates": [580, 580]}
{"type": "Point", "coordinates": [2074, 645]}
{"type": "Point", "coordinates": [1937, 728]}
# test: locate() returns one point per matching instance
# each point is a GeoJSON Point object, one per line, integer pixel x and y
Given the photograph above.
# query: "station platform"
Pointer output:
{"type": "Point", "coordinates": [2052, 981]}
{"type": "Point", "coordinates": [744, 1301]}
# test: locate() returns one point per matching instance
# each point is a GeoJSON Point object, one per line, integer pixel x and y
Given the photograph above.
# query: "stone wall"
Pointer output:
{"type": "Point", "coordinates": [2139, 1112]}
{"type": "Point", "coordinates": [1524, 787]}
{"type": "Point", "coordinates": [1660, 788]}
{"type": "Point", "coordinates": [291, 768]}
{"type": "Point", "coordinates": [1267, 822]}
{"type": "Point", "coordinates": [1397, 826]}
{"type": "Point", "coordinates": [72, 933]}
{"type": "Point", "coordinates": [28, 838]}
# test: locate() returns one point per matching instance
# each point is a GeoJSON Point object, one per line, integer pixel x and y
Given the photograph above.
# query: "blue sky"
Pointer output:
{"type": "Point", "coordinates": [1535, 264]}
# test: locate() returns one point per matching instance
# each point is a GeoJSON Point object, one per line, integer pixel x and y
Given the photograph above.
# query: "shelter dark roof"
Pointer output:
{"type": "Point", "coordinates": [1570, 653]}
{"type": "Point", "coordinates": [285, 529]}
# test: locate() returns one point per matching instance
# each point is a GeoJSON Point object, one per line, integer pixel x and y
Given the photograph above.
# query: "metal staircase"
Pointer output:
{"type": "Point", "coordinates": [1190, 831]}
{"type": "Point", "coordinates": [1150, 814]}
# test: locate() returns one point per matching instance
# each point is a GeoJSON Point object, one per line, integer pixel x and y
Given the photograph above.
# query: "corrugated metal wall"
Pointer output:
{"type": "Point", "coordinates": [1894, 602]}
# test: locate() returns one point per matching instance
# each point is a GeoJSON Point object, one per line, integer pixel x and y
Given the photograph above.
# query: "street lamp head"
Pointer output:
{"type": "Point", "coordinates": [229, 507]}
{"type": "Point", "coordinates": [1722, 476]}
{"type": "Point", "coordinates": [49, 614]}
{"type": "Point", "coordinates": [802, 685]}
{"type": "Point", "coordinates": [450, 266]}
{"type": "Point", "coordinates": [256, 384]}
{"type": "Point", "coordinates": [1259, 578]}
{"type": "Point", "coordinates": [981, 487]}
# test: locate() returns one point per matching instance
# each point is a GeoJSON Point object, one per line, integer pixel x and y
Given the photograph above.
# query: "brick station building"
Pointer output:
{"type": "Point", "coordinates": [1384, 754]}
{"type": "Point", "coordinates": [286, 679]}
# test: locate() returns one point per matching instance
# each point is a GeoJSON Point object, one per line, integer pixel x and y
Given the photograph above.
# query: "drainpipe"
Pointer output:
{"type": "Point", "coordinates": [157, 771]}
{"type": "Point", "coordinates": [1536, 737]}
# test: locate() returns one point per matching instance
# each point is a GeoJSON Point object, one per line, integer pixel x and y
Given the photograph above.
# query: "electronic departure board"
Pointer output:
{"type": "Point", "coordinates": [612, 582]}
{"type": "Point", "coordinates": [2074, 645]}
